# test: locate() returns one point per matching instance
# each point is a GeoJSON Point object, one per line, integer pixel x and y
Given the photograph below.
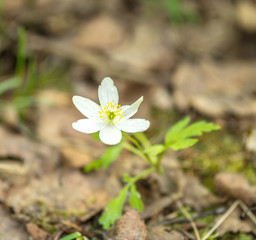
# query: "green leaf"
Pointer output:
{"type": "Point", "coordinates": [198, 128]}
{"type": "Point", "coordinates": [114, 209]}
{"type": "Point", "coordinates": [155, 150]}
{"type": "Point", "coordinates": [110, 155]}
{"type": "Point", "coordinates": [92, 166]}
{"type": "Point", "coordinates": [173, 132]}
{"type": "Point", "coordinates": [135, 200]}
{"type": "Point", "coordinates": [126, 178]}
{"type": "Point", "coordinates": [180, 135]}
{"type": "Point", "coordinates": [21, 52]}
{"type": "Point", "coordinates": [183, 143]}
{"type": "Point", "coordinates": [72, 236]}
{"type": "Point", "coordinates": [9, 84]}
{"type": "Point", "coordinates": [30, 85]}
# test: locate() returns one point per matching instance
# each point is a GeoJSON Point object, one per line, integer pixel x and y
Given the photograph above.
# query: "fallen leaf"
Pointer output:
{"type": "Point", "coordinates": [235, 224]}
{"type": "Point", "coordinates": [146, 49]}
{"type": "Point", "coordinates": [75, 157]}
{"type": "Point", "coordinates": [216, 89]}
{"type": "Point", "coordinates": [61, 195]}
{"type": "Point", "coordinates": [24, 157]}
{"type": "Point", "coordinates": [11, 228]}
{"type": "Point", "coordinates": [36, 232]}
{"type": "Point", "coordinates": [102, 32]}
{"type": "Point", "coordinates": [246, 15]}
{"type": "Point", "coordinates": [235, 185]}
{"type": "Point", "coordinates": [158, 233]}
{"type": "Point", "coordinates": [198, 196]}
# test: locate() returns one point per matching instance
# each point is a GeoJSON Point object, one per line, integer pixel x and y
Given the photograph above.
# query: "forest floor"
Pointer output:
{"type": "Point", "coordinates": [187, 58]}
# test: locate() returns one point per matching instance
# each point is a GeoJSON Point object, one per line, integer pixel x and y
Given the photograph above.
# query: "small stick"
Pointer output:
{"type": "Point", "coordinates": [222, 219]}
{"type": "Point", "coordinates": [187, 215]}
{"type": "Point", "coordinates": [248, 212]}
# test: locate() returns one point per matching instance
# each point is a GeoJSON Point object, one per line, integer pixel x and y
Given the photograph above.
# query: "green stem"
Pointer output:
{"type": "Point", "coordinates": [141, 175]}
{"type": "Point", "coordinates": [142, 153]}
{"type": "Point", "coordinates": [134, 141]}
{"type": "Point", "coordinates": [158, 162]}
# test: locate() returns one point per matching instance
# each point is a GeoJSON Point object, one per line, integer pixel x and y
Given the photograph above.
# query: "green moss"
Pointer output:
{"type": "Point", "coordinates": [46, 217]}
{"type": "Point", "coordinates": [218, 151]}
{"type": "Point", "coordinates": [237, 236]}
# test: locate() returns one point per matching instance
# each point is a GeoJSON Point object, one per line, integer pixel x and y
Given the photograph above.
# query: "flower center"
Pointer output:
{"type": "Point", "coordinates": [112, 113]}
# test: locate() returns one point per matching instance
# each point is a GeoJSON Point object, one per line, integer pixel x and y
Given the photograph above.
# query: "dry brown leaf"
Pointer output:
{"type": "Point", "coordinates": [235, 224]}
{"type": "Point", "coordinates": [235, 185]}
{"type": "Point", "coordinates": [36, 232]}
{"type": "Point", "coordinates": [246, 15]}
{"type": "Point", "coordinates": [58, 196]}
{"type": "Point", "coordinates": [130, 227]}
{"type": "Point", "coordinates": [198, 196]}
{"type": "Point", "coordinates": [24, 157]}
{"type": "Point", "coordinates": [216, 89]}
{"type": "Point", "coordinates": [102, 32]}
{"type": "Point", "coordinates": [158, 233]}
{"type": "Point", "coordinates": [146, 48]}
{"type": "Point", "coordinates": [75, 157]}
{"type": "Point", "coordinates": [10, 228]}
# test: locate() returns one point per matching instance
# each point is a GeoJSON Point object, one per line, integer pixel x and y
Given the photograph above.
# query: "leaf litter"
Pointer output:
{"type": "Point", "coordinates": [42, 187]}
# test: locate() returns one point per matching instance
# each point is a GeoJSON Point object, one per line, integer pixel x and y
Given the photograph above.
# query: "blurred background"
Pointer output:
{"type": "Point", "coordinates": [186, 57]}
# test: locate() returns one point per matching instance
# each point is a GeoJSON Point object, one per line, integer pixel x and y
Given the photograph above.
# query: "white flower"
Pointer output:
{"type": "Point", "coordinates": [109, 118]}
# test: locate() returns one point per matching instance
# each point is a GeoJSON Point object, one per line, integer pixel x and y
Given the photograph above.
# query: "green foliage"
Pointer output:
{"type": "Point", "coordinates": [178, 11]}
{"type": "Point", "coordinates": [155, 149]}
{"type": "Point", "coordinates": [21, 53]}
{"type": "Point", "coordinates": [135, 200]}
{"type": "Point", "coordinates": [114, 209]}
{"type": "Point", "coordinates": [110, 155]}
{"type": "Point", "coordinates": [75, 235]}
{"type": "Point", "coordinates": [183, 143]}
{"type": "Point", "coordinates": [181, 136]}
{"type": "Point", "coordinates": [9, 84]}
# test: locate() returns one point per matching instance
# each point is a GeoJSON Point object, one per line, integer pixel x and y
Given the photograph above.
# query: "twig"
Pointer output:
{"type": "Point", "coordinates": [187, 215]}
{"type": "Point", "coordinates": [222, 219]}
{"type": "Point", "coordinates": [247, 211]}
{"type": "Point", "coordinates": [184, 220]}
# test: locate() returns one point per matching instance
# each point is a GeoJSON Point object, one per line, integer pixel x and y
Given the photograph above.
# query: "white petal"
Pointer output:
{"type": "Point", "coordinates": [107, 92]}
{"type": "Point", "coordinates": [110, 135]}
{"type": "Point", "coordinates": [133, 125]}
{"type": "Point", "coordinates": [87, 107]}
{"type": "Point", "coordinates": [132, 109]}
{"type": "Point", "coordinates": [88, 125]}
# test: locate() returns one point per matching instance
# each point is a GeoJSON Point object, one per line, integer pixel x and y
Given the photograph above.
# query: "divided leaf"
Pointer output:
{"type": "Point", "coordinates": [183, 143]}
{"type": "Point", "coordinates": [155, 150]}
{"type": "Point", "coordinates": [114, 209]}
{"type": "Point", "coordinates": [135, 200]}
{"type": "Point", "coordinates": [180, 136]}
{"type": "Point", "coordinates": [173, 132]}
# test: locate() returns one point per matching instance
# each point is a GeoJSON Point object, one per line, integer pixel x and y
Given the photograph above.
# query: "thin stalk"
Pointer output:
{"type": "Point", "coordinates": [222, 219]}
{"type": "Point", "coordinates": [188, 216]}
{"type": "Point", "coordinates": [141, 175]}
{"type": "Point", "coordinates": [136, 143]}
